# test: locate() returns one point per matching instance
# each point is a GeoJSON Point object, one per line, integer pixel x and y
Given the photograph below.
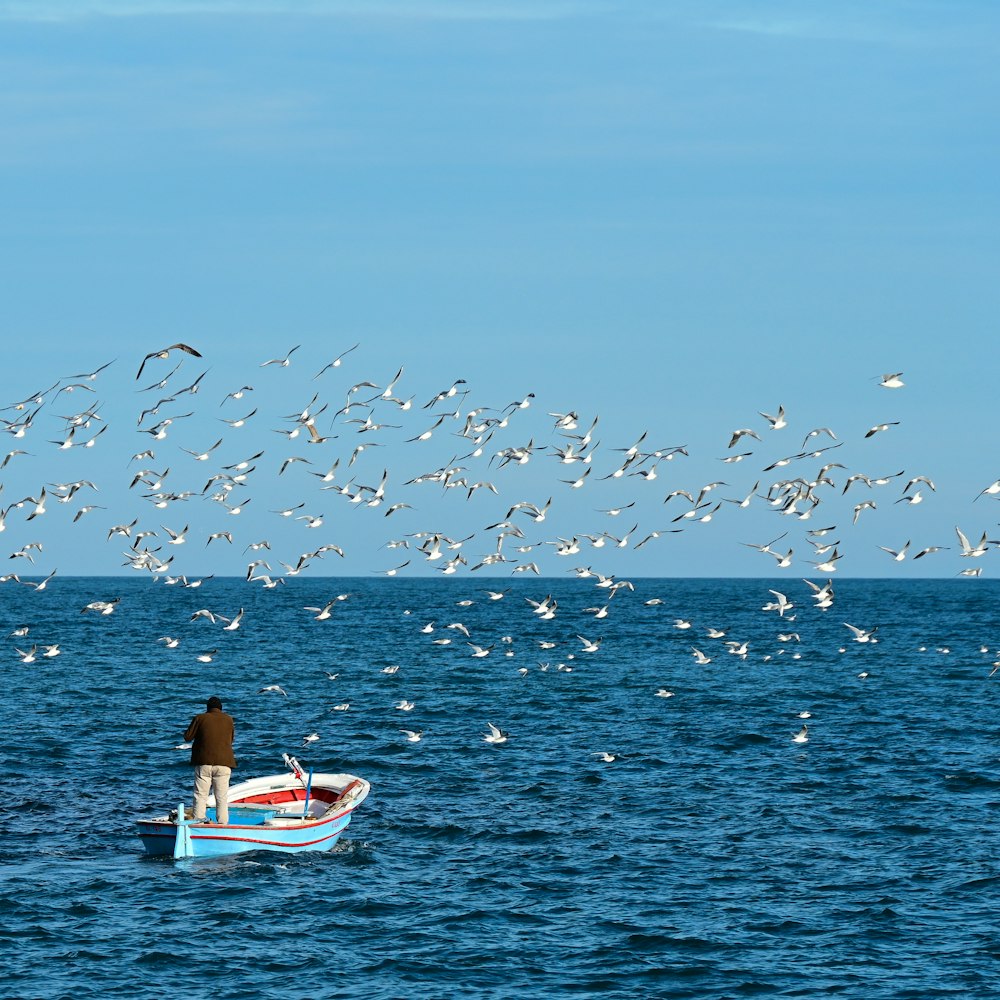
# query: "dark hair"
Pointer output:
{"type": "Point", "coordinates": [214, 702]}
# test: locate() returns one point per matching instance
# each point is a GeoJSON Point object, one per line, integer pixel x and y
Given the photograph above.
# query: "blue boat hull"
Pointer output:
{"type": "Point", "coordinates": [209, 841]}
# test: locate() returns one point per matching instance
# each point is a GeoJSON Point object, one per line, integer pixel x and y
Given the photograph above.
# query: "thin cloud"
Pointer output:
{"type": "Point", "coordinates": [895, 22]}
{"type": "Point", "coordinates": [444, 10]}
{"type": "Point", "coordinates": [814, 29]}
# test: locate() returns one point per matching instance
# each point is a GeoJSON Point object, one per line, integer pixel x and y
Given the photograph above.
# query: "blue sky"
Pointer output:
{"type": "Point", "coordinates": [668, 215]}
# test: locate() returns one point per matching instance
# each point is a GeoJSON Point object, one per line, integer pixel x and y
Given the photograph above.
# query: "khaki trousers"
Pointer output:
{"type": "Point", "coordinates": [216, 777]}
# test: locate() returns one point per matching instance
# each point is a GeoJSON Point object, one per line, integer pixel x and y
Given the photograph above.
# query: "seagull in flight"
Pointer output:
{"type": "Point", "coordinates": [892, 381]}
{"type": "Point", "coordinates": [322, 614]}
{"type": "Point", "coordinates": [273, 687]}
{"type": "Point", "coordinates": [234, 624]}
{"type": "Point", "coordinates": [104, 607]}
{"type": "Point", "coordinates": [897, 555]}
{"type": "Point", "coordinates": [777, 421]}
{"type": "Point", "coordinates": [862, 634]}
{"type": "Point", "coordinates": [495, 735]}
{"type": "Point", "coordinates": [991, 491]}
{"type": "Point", "coordinates": [285, 361]}
{"type": "Point", "coordinates": [741, 433]}
{"type": "Point", "coordinates": [802, 736]}
{"type": "Point", "coordinates": [881, 427]}
{"type": "Point", "coordinates": [968, 549]}
{"type": "Point", "coordinates": [336, 361]}
{"type": "Point", "coordinates": [163, 354]}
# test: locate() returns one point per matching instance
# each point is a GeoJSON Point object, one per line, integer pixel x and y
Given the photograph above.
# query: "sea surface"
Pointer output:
{"type": "Point", "coordinates": [714, 857]}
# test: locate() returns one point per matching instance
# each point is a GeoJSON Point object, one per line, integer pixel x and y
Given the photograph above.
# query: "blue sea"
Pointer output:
{"type": "Point", "coordinates": [714, 857]}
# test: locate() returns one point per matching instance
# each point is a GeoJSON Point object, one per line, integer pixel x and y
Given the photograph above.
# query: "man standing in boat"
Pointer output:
{"type": "Point", "coordinates": [211, 736]}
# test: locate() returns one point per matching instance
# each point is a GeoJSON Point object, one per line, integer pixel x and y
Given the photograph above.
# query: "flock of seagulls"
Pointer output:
{"type": "Point", "coordinates": [324, 456]}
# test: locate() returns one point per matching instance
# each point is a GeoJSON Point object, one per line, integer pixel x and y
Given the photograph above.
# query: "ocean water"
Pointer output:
{"type": "Point", "coordinates": [714, 857]}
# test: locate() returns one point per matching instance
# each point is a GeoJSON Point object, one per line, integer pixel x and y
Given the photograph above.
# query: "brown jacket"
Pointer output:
{"type": "Point", "coordinates": [211, 735]}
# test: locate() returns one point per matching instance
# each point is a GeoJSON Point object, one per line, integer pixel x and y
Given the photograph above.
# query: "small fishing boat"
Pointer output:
{"type": "Point", "coordinates": [291, 812]}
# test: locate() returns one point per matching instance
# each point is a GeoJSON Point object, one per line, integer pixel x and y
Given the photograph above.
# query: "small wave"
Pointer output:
{"type": "Point", "coordinates": [965, 781]}
{"type": "Point", "coordinates": [158, 959]}
{"type": "Point", "coordinates": [744, 740]}
{"type": "Point", "coordinates": [910, 829]}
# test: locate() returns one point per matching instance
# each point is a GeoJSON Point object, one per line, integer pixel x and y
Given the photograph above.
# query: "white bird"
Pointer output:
{"type": "Point", "coordinates": [899, 555]}
{"type": "Point", "coordinates": [864, 505]}
{"type": "Point", "coordinates": [778, 421]}
{"type": "Point", "coordinates": [41, 585]}
{"type": "Point", "coordinates": [991, 491]}
{"type": "Point", "coordinates": [802, 736]}
{"type": "Point", "coordinates": [176, 537]}
{"type": "Point", "coordinates": [273, 687]}
{"type": "Point", "coordinates": [311, 738]}
{"type": "Point", "coordinates": [664, 693]}
{"type": "Point", "coordinates": [972, 550]}
{"type": "Point", "coordinates": [863, 635]}
{"type": "Point", "coordinates": [285, 361]}
{"type": "Point", "coordinates": [892, 381]}
{"type": "Point", "coordinates": [322, 613]}
{"type": "Point", "coordinates": [411, 736]}
{"type": "Point", "coordinates": [235, 623]}
{"type": "Point", "coordinates": [163, 354]}
{"type": "Point", "coordinates": [405, 706]}
{"type": "Point", "coordinates": [337, 361]}
{"type": "Point", "coordinates": [878, 428]}
{"type": "Point", "coordinates": [104, 607]}
{"type": "Point", "coordinates": [495, 735]}
{"type": "Point", "coordinates": [830, 565]}
{"type": "Point", "coordinates": [238, 394]}
{"type": "Point", "coordinates": [608, 758]}
{"type": "Point", "coordinates": [202, 456]}
{"type": "Point", "coordinates": [781, 605]}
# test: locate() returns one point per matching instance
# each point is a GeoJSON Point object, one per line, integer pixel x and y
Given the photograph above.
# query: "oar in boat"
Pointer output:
{"type": "Point", "coordinates": [305, 805]}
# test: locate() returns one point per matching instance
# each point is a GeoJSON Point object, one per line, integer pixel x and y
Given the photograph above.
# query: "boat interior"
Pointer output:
{"type": "Point", "coordinates": [287, 805]}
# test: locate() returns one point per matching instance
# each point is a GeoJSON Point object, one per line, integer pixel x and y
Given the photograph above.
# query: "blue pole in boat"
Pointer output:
{"type": "Point", "coordinates": [305, 806]}
{"type": "Point", "coordinates": [183, 848]}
